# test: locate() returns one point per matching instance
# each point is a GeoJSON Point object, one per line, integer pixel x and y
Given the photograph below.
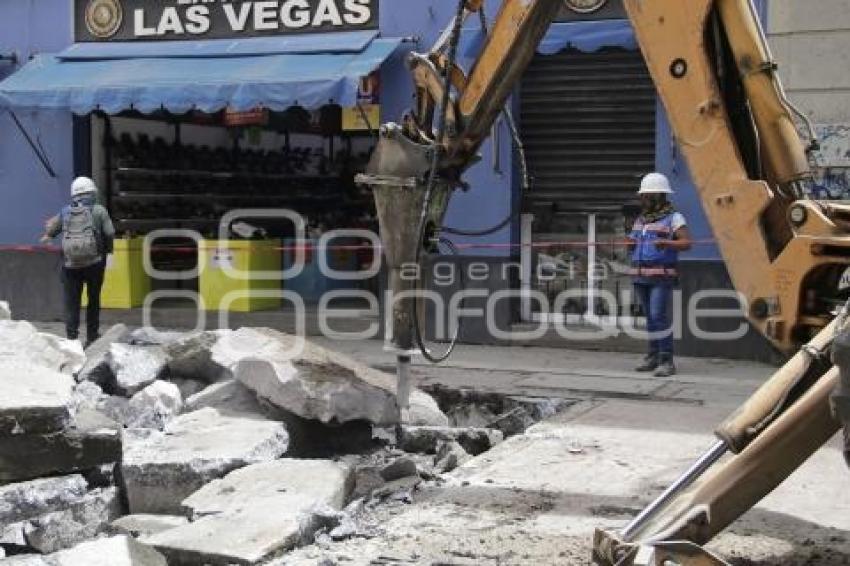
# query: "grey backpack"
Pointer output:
{"type": "Point", "coordinates": [79, 241]}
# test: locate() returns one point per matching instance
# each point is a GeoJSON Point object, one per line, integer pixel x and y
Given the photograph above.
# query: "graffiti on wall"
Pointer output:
{"type": "Point", "coordinates": [832, 176]}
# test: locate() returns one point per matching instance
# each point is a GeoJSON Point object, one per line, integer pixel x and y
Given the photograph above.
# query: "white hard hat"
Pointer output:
{"type": "Point", "coordinates": [82, 186]}
{"type": "Point", "coordinates": [655, 183]}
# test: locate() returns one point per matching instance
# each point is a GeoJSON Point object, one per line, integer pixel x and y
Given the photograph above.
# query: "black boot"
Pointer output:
{"type": "Point", "coordinates": [666, 367]}
{"type": "Point", "coordinates": [650, 363]}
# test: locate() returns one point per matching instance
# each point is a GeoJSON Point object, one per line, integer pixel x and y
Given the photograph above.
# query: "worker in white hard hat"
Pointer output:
{"type": "Point", "coordinates": [657, 237]}
{"type": "Point", "coordinates": [87, 239]}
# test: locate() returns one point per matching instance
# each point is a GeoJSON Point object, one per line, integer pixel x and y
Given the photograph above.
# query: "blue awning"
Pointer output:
{"type": "Point", "coordinates": [274, 73]}
{"type": "Point", "coordinates": [584, 36]}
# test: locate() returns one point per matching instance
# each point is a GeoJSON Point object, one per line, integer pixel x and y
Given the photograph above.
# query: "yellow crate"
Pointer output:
{"type": "Point", "coordinates": [125, 283]}
{"type": "Point", "coordinates": [245, 256]}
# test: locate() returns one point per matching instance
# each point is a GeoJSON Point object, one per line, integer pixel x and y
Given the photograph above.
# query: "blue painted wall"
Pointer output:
{"type": "Point", "coordinates": [490, 199]}
{"type": "Point", "coordinates": [28, 194]}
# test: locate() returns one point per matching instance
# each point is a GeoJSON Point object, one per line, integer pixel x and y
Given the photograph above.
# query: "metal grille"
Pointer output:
{"type": "Point", "coordinates": [588, 122]}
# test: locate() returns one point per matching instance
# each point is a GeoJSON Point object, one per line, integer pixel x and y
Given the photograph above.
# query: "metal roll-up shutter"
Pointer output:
{"type": "Point", "coordinates": [588, 123]}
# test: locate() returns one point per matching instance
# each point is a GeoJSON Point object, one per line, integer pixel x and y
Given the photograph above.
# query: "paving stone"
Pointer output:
{"type": "Point", "coordinates": [90, 440]}
{"type": "Point", "coordinates": [154, 406]}
{"type": "Point", "coordinates": [161, 469]}
{"type": "Point", "coordinates": [257, 511]}
{"type": "Point", "coordinates": [33, 399]}
{"type": "Point", "coordinates": [135, 367]}
{"type": "Point", "coordinates": [96, 367]}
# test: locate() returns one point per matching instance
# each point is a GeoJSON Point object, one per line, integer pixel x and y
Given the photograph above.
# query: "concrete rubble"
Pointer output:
{"type": "Point", "coordinates": [50, 514]}
{"type": "Point", "coordinates": [154, 406]}
{"type": "Point", "coordinates": [256, 511]}
{"type": "Point", "coordinates": [228, 397]}
{"type": "Point", "coordinates": [96, 367]}
{"type": "Point", "coordinates": [163, 468]}
{"type": "Point", "coordinates": [313, 382]}
{"type": "Point", "coordinates": [33, 399]}
{"type": "Point", "coordinates": [191, 357]}
{"type": "Point", "coordinates": [198, 435]}
{"type": "Point", "coordinates": [90, 440]}
{"type": "Point", "coordinates": [20, 340]}
{"type": "Point", "coordinates": [135, 367]}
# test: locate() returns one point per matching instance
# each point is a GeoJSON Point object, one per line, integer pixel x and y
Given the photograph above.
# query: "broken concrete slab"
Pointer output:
{"type": "Point", "coordinates": [96, 367]}
{"type": "Point", "coordinates": [114, 551]}
{"type": "Point", "coordinates": [190, 356]}
{"type": "Point", "coordinates": [228, 397]}
{"type": "Point", "coordinates": [33, 399]}
{"type": "Point", "coordinates": [147, 525]}
{"type": "Point", "coordinates": [312, 383]}
{"type": "Point", "coordinates": [5, 311]}
{"type": "Point", "coordinates": [162, 469]}
{"type": "Point", "coordinates": [83, 520]}
{"type": "Point", "coordinates": [20, 340]}
{"type": "Point", "coordinates": [135, 367]}
{"type": "Point", "coordinates": [50, 514]}
{"type": "Point", "coordinates": [25, 500]}
{"type": "Point", "coordinates": [425, 439]}
{"type": "Point", "coordinates": [90, 440]}
{"type": "Point", "coordinates": [256, 511]}
{"type": "Point", "coordinates": [154, 406]}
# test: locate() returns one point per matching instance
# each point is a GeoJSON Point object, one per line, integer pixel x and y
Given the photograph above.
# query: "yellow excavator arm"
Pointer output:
{"type": "Point", "coordinates": [714, 72]}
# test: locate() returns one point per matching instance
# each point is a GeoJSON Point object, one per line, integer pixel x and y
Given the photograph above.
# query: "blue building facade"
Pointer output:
{"type": "Point", "coordinates": [30, 195]}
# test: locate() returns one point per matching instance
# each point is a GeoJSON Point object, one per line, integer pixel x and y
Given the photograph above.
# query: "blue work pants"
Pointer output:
{"type": "Point", "coordinates": [656, 297]}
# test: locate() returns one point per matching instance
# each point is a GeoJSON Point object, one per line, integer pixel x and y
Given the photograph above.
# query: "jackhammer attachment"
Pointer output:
{"type": "Point", "coordinates": [397, 174]}
{"type": "Point", "coordinates": [772, 434]}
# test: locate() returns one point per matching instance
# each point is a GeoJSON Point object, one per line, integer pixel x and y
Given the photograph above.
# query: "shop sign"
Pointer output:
{"type": "Point", "coordinates": [368, 112]}
{"type": "Point", "coordinates": [126, 20]}
{"type": "Point", "coordinates": [255, 117]}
